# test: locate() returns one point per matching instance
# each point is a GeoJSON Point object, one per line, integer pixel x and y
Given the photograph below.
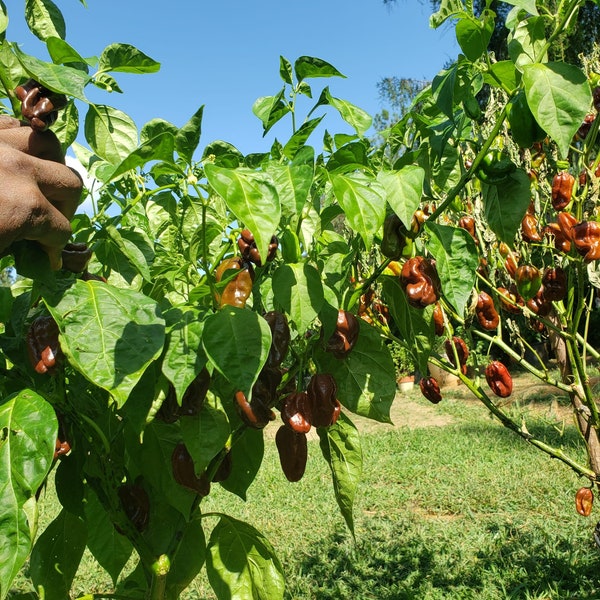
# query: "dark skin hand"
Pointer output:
{"type": "Point", "coordinates": [39, 194]}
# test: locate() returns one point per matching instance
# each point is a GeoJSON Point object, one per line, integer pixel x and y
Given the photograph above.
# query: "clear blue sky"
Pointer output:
{"type": "Point", "coordinates": [226, 54]}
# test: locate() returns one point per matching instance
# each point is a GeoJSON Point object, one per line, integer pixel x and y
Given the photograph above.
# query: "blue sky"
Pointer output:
{"type": "Point", "coordinates": [225, 55]}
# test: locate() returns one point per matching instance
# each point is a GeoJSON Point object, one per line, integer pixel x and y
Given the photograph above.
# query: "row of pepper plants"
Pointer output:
{"type": "Point", "coordinates": [211, 295]}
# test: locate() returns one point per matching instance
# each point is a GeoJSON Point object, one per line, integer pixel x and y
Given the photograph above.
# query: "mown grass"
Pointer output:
{"type": "Point", "coordinates": [463, 511]}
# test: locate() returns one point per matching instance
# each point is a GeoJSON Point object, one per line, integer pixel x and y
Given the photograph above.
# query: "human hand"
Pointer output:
{"type": "Point", "coordinates": [38, 192]}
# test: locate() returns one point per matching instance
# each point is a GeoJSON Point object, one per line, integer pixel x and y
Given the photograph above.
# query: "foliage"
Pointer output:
{"type": "Point", "coordinates": [169, 370]}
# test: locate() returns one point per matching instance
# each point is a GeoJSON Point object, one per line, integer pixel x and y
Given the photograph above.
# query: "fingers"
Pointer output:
{"type": "Point", "coordinates": [61, 185]}
{"type": "Point", "coordinates": [41, 144]}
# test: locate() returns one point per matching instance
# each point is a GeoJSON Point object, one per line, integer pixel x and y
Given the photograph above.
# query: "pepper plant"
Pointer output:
{"type": "Point", "coordinates": [211, 293]}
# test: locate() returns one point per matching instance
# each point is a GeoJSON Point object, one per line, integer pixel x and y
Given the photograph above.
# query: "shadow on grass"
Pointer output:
{"type": "Point", "coordinates": [408, 561]}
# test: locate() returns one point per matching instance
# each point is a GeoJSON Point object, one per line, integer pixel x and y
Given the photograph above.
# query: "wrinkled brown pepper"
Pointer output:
{"type": "Point", "coordinates": [238, 289]}
{"type": "Point", "coordinates": [43, 346]}
{"type": "Point", "coordinates": [562, 189]}
{"type": "Point", "coordinates": [430, 388]}
{"type": "Point", "coordinates": [554, 281]}
{"type": "Point", "coordinates": [529, 229]}
{"type": "Point", "coordinates": [249, 251]}
{"type": "Point", "coordinates": [344, 337]}
{"type": "Point", "coordinates": [486, 312]}
{"type": "Point", "coordinates": [39, 105]}
{"type": "Point", "coordinates": [75, 257]}
{"type": "Point", "coordinates": [420, 281]}
{"type": "Point", "coordinates": [584, 500]}
{"type": "Point", "coordinates": [586, 238]}
{"type": "Point", "coordinates": [296, 412]}
{"type": "Point", "coordinates": [499, 379]}
{"type": "Point", "coordinates": [184, 472]}
{"type": "Point", "coordinates": [462, 352]}
{"type": "Point", "coordinates": [322, 395]}
{"type": "Point", "coordinates": [293, 452]}
{"type": "Point", "coordinates": [280, 337]}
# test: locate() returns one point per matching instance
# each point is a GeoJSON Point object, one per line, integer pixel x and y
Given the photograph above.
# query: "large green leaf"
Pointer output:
{"type": "Point", "coordinates": [110, 548]}
{"type": "Point", "coordinates": [3, 19]}
{"type": "Point", "coordinates": [298, 291]}
{"type": "Point", "coordinates": [44, 19]}
{"type": "Point", "coordinates": [473, 35]}
{"type": "Point", "coordinates": [365, 378]}
{"type": "Point", "coordinates": [415, 325]}
{"type": "Point", "coordinates": [353, 115]}
{"type": "Point", "coordinates": [293, 185]}
{"type": "Point", "coordinates": [300, 137]}
{"type": "Point", "coordinates": [456, 261]}
{"type": "Point", "coordinates": [270, 109]}
{"type": "Point", "coordinates": [559, 97]}
{"type": "Point", "coordinates": [527, 42]}
{"type": "Point", "coordinates": [184, 357]}
{"type": "Point", "coordinates": [28, 428]}
{"type": "Point", "coordinates": [246, 457]}
{"type": "Point", "coordinates": [205, 434]}
{"type": "Point", "coordinates": [309, 66]}
{"type": "Point", "coordinates": [506, 204]}
{"type": "Point", "coordinates": [252, 198]}
{"type": "Point", "coordinates": [56, 556]}
{"type": "Point", "coordinates": [241, 563]}
{"type": "Point", "coordinates": [110, 335]}
{"type": "Point", "coordinates": [340, 445]}
{"type": "Point", "coordinates": [188, 137]}
{"type": "Point", "coordinates": [110, 132]}
{"type": "Point", "coordinates": [62, 53]}
{"type": "Point", "coordinates": [363, 199]}
{"type": "Point", "coordinates": [403, 190]}
{"type": "Point", "coordinates": [127, 59]}
{"type": "Point", "coordinates": [237, 343]}
{"type": "Point", "coordinates": [448, 9]}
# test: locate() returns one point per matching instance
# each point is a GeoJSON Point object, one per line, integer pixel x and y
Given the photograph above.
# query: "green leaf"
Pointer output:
{"type": "Point", "coordinates": [62, 53]}
{"type": "Point", "coordinates": [3, 19]}
{"type": "Point", "coordinates": [285, 70]}
{"type": "Point", "coordinates": [474, 35]}
{"type": "Point", "coordinates": [298, 291]}
{"type": "Point", "coordinates": [559, 97]}
{"type": "Point", "coordinates": [241, 563]}
{"type": "Point", "coordinates": [110, 548]}
{"type": "Point", "coordinates": [354, 116]}
{"type": "Point", "coordinates": [415, 325]}
{"type": "Point", "coordinates": [456, 261]}
{"type": "Point", "coordinates": [309, 66]}
{"type": "Point", "coordinates": [111, 133]}
{"type": "Point", "coordinates": [527, 5]}
{"type": "Point", "coordinates": [300, 137]}
{"type": "Point", "coordinates": [246, 457]}
{"type": "Point", "coordinates": [403, 190]}
{"type": "Point", "coordinates": [293, 186]}
{"type": "Point", "coordinates": [237, 343]}
{"type": "Point", "coordinates": [365, 378]}
{"type": "Point", "coordinates": [205, 434]}
{"type": "Point", "coordinates": [57, 554]}
{"type": "Point", "coordinates": [126, 59]}
{"type": "Point", "coordinates": [109, 335]}
{"type": "Point", "coordinates": [252, 198]}
{"type": "Point", "coordinates": [270, 109]}
{"type": "Point", "coordinates": [188, 137]}
{"type": "Point", "coordinates": [66, 126]}
{"type": "Point", "coordinates": [527, 41]}
{"type": "Point", "coordinates": [184, 357]}
{"type": "Point", "coordinates": [341, 448]}
{"type": "Point", "coordinates": [28, 429]}
{"type": "Point", "coordinates": [44, 19]}
{"type": "Point", "coordinates": [349, 158]}
{"type": "Point", "coordinates": [442, 90]}
{"type": "Point", "coordinates": [502, 74]}
{"type": "Point", "coordinates": [189, 558]}
{"type": "Point", "coordinates": [58, 78]}
{"type": "Point", "coordinates": [363, 199]}
{"type": "Point", "coordinates": [129, 249]}
{"type": "Point", "coordinates": [448, 9]}
{"type": "Point", "coordinates": [506, 204]}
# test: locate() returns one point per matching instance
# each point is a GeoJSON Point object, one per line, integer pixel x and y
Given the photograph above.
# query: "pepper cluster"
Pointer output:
{"type": "Point", "coordinates": [39, 105]}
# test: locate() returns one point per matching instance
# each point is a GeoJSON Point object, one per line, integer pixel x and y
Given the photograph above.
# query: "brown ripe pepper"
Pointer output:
{"type": "Point", "coordinates": [238, 289]}
{"type": "Point", "coordinates": [566, 222]}
{"type": "Point", "coordinates": [529, 229]}
{"type": "Point", "coordinates": [554, 281]}
{"type": "Point", "coordinates": [510, 300]}
{"type": "Point", "coordinates": [511, 264]}
{"type": "Point", "coordinates": [136, 504]}
{"type": "Point", "coordinates": [256, 414]}
{"type": "Point", "coordinates": [249, 251]}
{"type": "Point", "coordinates": [39, 105]}
{"type": "Point", "coordinates": [280, 337]}
{"type": "Point", "coordinates": [462, 352]}
{"type": "Point", "coordinates": [467, 222]}
{"type": "Point", "coordinates": [438, 319]}
{"type": "Point", "coordinates": [194, 395]}
{"type": "Point", "coordinates": [322, 396]}
{"type": "Point", "coordinates": [184, 471]}
{"type": "Point", "coordinates": [585, 127]}
{"type": "Point", "coordinates": [584, 500]}
{"type": "Point", "coordinates": [296, 412]}
{"type": "Point", "coordinates": [562, 189]}
{"type": "Point", "coordinates": [420, 281]}
{"type": "Point", "coordinates": [224, 469]}
{"type": "Point", "coordinates": [75, 257]}
{"type": "Point", "coordinates": [561, 243]}
{"type": "Point", "coordinates": [344, 337]}
{"type": "Point", "coordinates": [293, 452]}
{"type": "Point", "coordinates": [43, 346]}
{"type": "Point", "coordinates": [486, 312]}
{"type": "Point", "coordinates": [586, 238]}
{"type": "Point", "coordinates": [499, 379]}
{"type": "Point", "coordinates": [539, 304]}
{"type": "Point", "coordinates": [430, 388]}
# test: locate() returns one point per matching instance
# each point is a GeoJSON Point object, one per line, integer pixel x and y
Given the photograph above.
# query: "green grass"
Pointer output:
{"type": "Point", "coordinates": [463, 511]}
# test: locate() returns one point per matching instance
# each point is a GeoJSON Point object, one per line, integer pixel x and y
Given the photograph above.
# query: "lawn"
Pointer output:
{"type": "Point", "coordinates": [451, 506]}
